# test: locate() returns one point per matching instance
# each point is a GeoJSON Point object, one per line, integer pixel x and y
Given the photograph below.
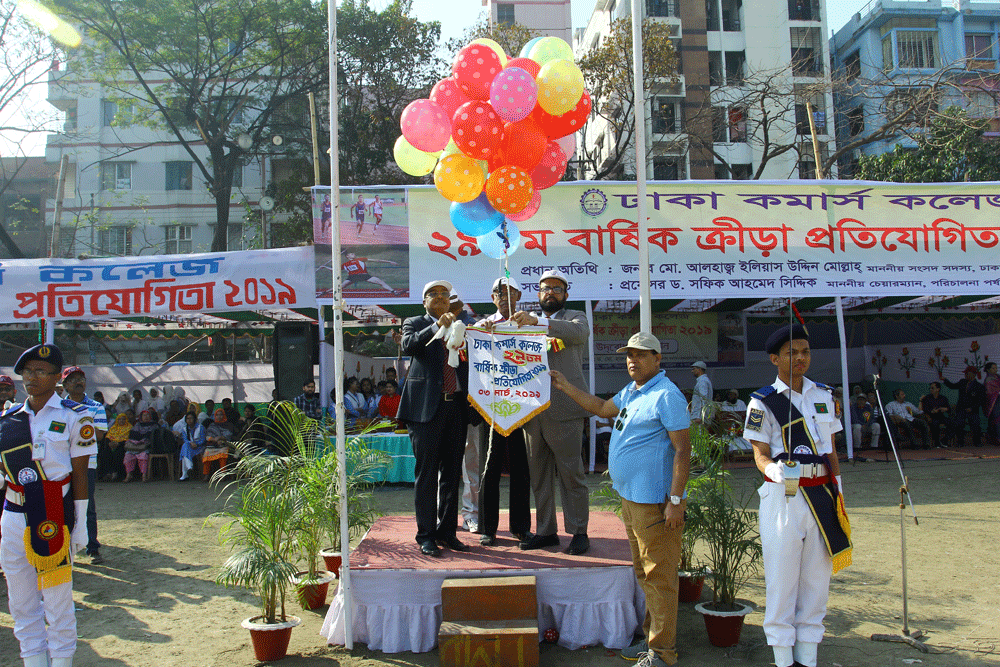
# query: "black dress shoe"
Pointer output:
{"type": "Point", "coordinates": [428, 548]}
{"type": "Point", "coordinates": [488, 540]}
{"type": "Point", "coordinates": [539, 542]}
{"type": "Point", "coordinates": [452, 543]}
{"type": "Point", "coordinates": [580, 544]}
{"type": "Point", "coordinates": [522, 537]}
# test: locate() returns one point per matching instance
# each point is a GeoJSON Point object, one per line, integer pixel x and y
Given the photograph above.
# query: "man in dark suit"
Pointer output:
{"type": "Point", "coordinates": [555, 436]}
{"type": "Point", "coordinates": [434, 406]}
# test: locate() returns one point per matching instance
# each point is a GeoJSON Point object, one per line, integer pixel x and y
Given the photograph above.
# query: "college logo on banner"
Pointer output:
{"type": "Point", "coordinates": [508, 374]}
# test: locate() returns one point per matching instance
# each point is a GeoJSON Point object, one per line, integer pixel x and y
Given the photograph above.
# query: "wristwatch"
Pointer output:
{"type": "Point", "coordinates": [675, 500]}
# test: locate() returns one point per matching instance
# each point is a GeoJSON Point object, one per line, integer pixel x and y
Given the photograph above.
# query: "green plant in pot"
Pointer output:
{"type": "Point", "coordinates": [734, 555]}
{"type": "Point", "coordinates": [706, 459]}
{"type": "Point", "coordinates": [259, 523]}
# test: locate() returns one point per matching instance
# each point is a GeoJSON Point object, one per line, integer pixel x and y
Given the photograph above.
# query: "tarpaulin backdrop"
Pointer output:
{"type": "Point", "coordinates": [719, 240]}
{"type": "Point", "coordinates": [61, 289]}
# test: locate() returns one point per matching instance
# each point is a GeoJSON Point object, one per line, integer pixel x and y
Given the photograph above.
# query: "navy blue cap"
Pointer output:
{"type": "Point", "coordinates": [45, 352]}
{"type": "Point", "coordinates": [783, 335]}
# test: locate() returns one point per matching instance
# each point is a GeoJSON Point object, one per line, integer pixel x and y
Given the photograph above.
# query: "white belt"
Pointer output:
{"type": "Point", "coordinates": [812, 469]}
{"type": "Point", "coordinates": [17, 497]}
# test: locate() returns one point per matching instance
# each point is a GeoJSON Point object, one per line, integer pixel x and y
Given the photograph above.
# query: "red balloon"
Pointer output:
{"type": "Point", "coordinates": [527, 64]}
{"type": "Point", "coordinates": [477, 129]}
{"type": "Point", "coordinates": [474, 69]}
{"type": "Point", "coordinates": [448, 95]}
{"type": "Point", "coordinates": [550, 168]}
{"type": "Point", "coordinates": [523, 143]}
{"type": "Point", "coordinates": [568, 123]}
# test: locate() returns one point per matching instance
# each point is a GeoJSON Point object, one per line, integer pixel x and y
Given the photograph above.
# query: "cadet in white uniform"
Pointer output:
{"type": "Point", "coordinates": [795, 529]}
{"type": "Point", "coordinates": [44, 447]}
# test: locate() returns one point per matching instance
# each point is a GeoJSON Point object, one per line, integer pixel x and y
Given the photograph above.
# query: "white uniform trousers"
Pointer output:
{"type": "Point", "coordinates": [797, 568]}
{"type": "Point", "coordinates": [26, 601]}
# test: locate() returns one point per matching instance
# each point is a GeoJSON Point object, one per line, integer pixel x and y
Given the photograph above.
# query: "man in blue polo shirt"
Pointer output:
{"type": "Point", "coordinates": [648, 459]}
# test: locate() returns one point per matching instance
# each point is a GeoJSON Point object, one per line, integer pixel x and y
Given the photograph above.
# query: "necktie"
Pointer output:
{"type": "Point", "coordinates": [450, 380]}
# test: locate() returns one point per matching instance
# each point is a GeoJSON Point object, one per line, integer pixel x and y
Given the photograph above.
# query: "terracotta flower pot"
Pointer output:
{"type": "Point", "coordinates": [332, 558]}
{"type": "Point", "coordinates": [724, 627]}
{"type": "Point", "coordinates": [691, 584]}
{"type": "Point", "coordinates": [270, 640]}
{"type": "Point", "coordinates": [313, 590]}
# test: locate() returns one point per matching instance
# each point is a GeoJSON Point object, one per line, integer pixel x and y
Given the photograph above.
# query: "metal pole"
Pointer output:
{"type": "Point", "coordinates": [338, 330]}
{"type": "Point", "coordinates": [845, 401]}
{"type": "Point", "coordinates": [315, 138]}
{"type": "Point", "coordinates": [60, 194]}
{"type": "Point", "coordinates": [639, 110]}
{"type": "Point", "coordinates": [593, 385]}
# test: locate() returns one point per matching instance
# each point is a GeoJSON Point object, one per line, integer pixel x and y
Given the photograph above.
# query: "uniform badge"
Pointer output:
{"type": "Point", "coordinates": [44, 351]}
{"type": "Point", "coordinates": [755, 420]}
{"type": "Point", "coordinates": [821, 408]}
{"type": "Point", "coordinates": [87, 432]}
{"type": "Point", "coordinates": [26, 476]}
{"type": "Point", "coordinates": [58, 427]}
{"type": "Point", "coordinates": [47, 530]}
{"type": "Point", "coordinates": [802, 449]}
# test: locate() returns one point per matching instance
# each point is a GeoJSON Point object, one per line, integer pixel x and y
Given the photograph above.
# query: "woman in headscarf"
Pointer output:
{"type": "Point", "coordinates": [122, 403]}
{"type": "Point", "coordinates": [218, 435]}
{"type": "Point", "coordinates": [111, 454]}
{"type": "Point", "coordinates": [140, 440]}
{"type": "Point", "coordinates": [193, 443]}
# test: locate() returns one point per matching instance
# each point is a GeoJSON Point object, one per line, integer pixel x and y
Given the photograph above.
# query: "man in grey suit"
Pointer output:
{"type": "Point", "coordinates": [434, 406]}
{"type": "Point", "coordinates": [555, 436]}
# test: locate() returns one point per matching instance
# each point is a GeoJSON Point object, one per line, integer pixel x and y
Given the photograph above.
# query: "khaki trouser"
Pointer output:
{"type": "Point", "coordinates": [656, 553]}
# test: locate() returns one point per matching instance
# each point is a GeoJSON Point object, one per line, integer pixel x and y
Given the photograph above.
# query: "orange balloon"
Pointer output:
{"type": "Point", "coordinates": [458, 178]}
{"type": "Point", "coordinates": [509, 189]}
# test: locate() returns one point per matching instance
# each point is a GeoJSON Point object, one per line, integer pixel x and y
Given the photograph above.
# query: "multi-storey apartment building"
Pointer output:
{"type": "Point", "coordinates": [134, 190]}
{"type": "Point", "coordinates": [748, 72]}
{"type": "Point", "coordinates": [547, 17]}
{"type": "Point", "coordinates": [915, 57]}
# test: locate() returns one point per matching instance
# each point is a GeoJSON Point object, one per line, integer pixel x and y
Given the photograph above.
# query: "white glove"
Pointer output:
{"type": "Point", "coordinates": [775, 472]}
{"type": "Point", "coordinates": [840, 484]}
{"type": "Point", "coordinates": [78, 539]}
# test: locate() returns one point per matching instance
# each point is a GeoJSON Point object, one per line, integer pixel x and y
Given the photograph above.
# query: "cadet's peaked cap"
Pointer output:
{"type": "Point", "coordinates": [783, 335]}
{"type": "Point", "coordinates": [46, 352]}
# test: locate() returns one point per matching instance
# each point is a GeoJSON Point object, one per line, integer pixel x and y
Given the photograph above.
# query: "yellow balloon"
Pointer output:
{"type": "Point", "coordinates": [458, 178]}
{"type": "Point", "coordinates": [560, 86]}
{"type": "Point", "coordinates": [486, 41]}
{"type": "Point", "coordinates": [548, 49]}
{"type": "Point", "coordinates": [451, 148]}
{"type": "Point", "coordinates": [413, 161]}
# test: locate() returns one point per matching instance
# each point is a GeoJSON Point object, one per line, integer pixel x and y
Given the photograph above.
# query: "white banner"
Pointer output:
{"type": "Point", "coordinates": [157, 285]}
{"type": "Point", "coordinates": [508, 379]}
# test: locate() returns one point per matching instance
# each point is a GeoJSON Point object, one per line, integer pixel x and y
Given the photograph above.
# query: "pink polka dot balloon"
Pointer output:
{"type": "Point", "coordinates": [425, 125]}
{"type": "Point", "coordinates": [477, 129]}
{"type": "Point", "coordinates": [448, 95]}
{"type": "Point", "coordinates": [474, 68]}
{"type": "Point", "coordinates": [513, 94]}
{"type": "Point", "coordinates": [550, 168]}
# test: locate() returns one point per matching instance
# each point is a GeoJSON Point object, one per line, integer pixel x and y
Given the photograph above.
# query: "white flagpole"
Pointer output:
{"type": "Point", "coordinates": [639, 109]}
{"type": "Point", "coordinates": [338, 331]}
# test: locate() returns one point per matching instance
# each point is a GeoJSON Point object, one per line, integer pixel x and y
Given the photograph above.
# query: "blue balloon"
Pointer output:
{"type": "Point", "coordinates": [504, 240]}
{"type": "Point", "coordinates": [526, 49]}
{"type": "Point", "coordinates": [476, 217]}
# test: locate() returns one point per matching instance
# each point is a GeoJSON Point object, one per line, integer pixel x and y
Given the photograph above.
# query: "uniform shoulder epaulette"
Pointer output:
{"type": "Point", "coordinates": [11, 410]}
{"type": "Point", "coordinates": [763, 392]}
{"type": "Point", "coordinates": [825, 386]}
{"type": "Point", "coordinates": [73, 405]}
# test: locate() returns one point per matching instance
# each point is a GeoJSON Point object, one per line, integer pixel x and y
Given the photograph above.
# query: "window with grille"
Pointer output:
{"type": "Point", "coordinates": [982, 104]}
{"type": "Point", "coordinates": [116, 175]}
{"type": "Point", "coordinates": [115, 241]}
{"type": "Point", "coordinates": [852, 66]}
{"type": "Point", "coordinates": [178, 239]}
{"type": "Point", "coordinates": [178, 175]}
{"type": "Point", "coordinates": [916, 49]}
{"type": "Point", "coordinates": [807, 51]}
{"type": "Point", "coordinates": [668, 168]}
{"type": "Point", "coordinates": [505, 14]}
{"type": "Point", "coordinates": [664, 116]}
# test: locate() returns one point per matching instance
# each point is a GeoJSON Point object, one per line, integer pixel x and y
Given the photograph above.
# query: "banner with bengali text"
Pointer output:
{"type": "Point", "coordinates": [716, 338]}
{"type": "Point", "coordinates": [508, 375]}
{"type": "Point", "coordinates": [723, 239]}
{"type": "Point", "coordinates": [156, 285]}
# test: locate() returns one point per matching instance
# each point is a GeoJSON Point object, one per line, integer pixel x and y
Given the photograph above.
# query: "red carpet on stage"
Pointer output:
{"type": "Point", "coordinates": [396, 591]}
{"type": "Point", "coordinates": [391, 544]}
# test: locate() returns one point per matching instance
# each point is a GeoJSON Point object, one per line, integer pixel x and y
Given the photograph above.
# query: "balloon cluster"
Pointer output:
{"type": "Point", "coordinates": [495, 133]}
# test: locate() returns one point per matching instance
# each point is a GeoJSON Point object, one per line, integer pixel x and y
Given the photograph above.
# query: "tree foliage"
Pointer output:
{"type": "Point", "coordinates": [608, 75]}
{"type": "Point", "coordinates": [205, 71]}
{"type": "Point", "coordinates": [510, 36]}
{"type": "Point", "coordinates": [953, 149]}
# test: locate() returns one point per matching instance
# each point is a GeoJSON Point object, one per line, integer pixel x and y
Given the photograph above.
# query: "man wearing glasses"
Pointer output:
{"type": "Point", "coordinates": [555, 436]}
{"type": "Point", "coordinates": [44, 447]}
{"type": "Point", "coordinates": [434, 406]}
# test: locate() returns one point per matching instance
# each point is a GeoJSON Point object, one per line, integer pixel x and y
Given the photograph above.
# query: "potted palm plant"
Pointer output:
{"type": "Point", "coordinates": [734, 555]}
{"type": "Point", "coordinates": [260, 518]}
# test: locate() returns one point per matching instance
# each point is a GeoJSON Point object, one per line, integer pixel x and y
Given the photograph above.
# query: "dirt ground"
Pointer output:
{"type": "Point", "coordinates": [154, 601]}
